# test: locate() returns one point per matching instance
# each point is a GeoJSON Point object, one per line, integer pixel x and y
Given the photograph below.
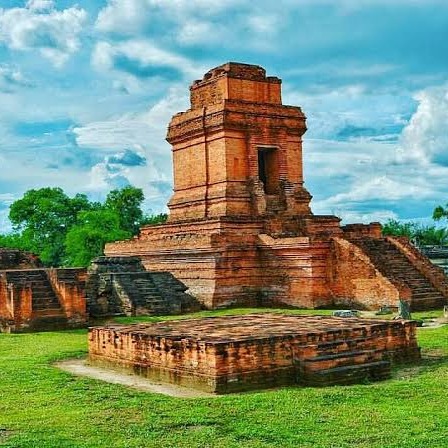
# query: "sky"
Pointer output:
{"type": "Point", "coordinates": [87, 89]}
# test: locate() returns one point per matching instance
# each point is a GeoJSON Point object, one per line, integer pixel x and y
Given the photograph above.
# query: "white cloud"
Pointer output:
{"type": "Point", "coordinates": [131, 16]}
{"type": "Point", "coordinates": [10, 78]}
{"type": "Point", "coordinates": [382, 188]}
{"type": "Point", "coordinates": [195, 31]}
{"type": "Point", "coordinates": [104, 176]}
{"type": "Point", "coordinates": [266, 24]}
{"type": "Point", "coordinates": [144, 133]}
{"type": "Point", "coordinates": [425, 138]}
{"type": "Point", "coordinates": [140, 59]}
{"type": "Point", "coordinates": [55, 34]}
{"type": "Point", "coordinates": [123, 16]}
{"type": "Point", "coordinates": [348, 216]}
{"type": "Point", "coordinates": [136, 130]}
{"type": "Point", "coordinates": [40, 5]}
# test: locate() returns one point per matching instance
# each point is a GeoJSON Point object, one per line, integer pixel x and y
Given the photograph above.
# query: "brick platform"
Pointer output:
{"type": "Point", "coordinates": [235, 353]}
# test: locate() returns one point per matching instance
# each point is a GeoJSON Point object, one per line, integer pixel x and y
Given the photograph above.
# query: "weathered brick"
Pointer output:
{"type": "Point", "coordinates": [233, 353]}
{"type": "Point", "coordinates": [241, 234]}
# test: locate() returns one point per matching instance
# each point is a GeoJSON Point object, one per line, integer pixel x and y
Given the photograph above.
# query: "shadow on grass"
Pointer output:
{"type": "Point", "coordinates": [431, 360]}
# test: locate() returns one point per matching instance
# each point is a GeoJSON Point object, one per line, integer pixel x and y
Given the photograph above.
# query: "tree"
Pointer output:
{"type": "Point", "coordinates": [431, 236]}
{"type": "Point", "coordinates": [422, 235]}
{"type": "Point", "coordinates": [71, 231]}
{"type": "Point", "coordinates": [393, 227]}
{"type": "Point", "coordinates": [126, 203]}
{"type": "Point", "coordinates": [86, 239]}
{"type": "Point", "coordinates": [42, 218]}
{"type": "Point", "coordinates": [152, 220]}
{"type": "Point", "coordinates": [440, 212]}
{"type": "Point", "coordinates": [13, 241]}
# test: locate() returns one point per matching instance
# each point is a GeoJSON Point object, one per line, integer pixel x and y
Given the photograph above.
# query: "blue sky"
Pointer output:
{"type": "Point", "coordinates": [87, 89]}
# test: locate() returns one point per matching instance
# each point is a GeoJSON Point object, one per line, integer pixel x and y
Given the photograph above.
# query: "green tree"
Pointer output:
{"type": "Point", "coordinates": [13, 241]}
{"type": "Point", "coordinates": [431, 236]}
{"type": "Point", "coordinates": [152, 220]}
{"type": "Point", "coordinates": [440, 212]}
{"type": "Point", "coordinates": [422, 235]}
{"type": "Point", "coordinates": [42, 218]}
{"type": "Point", "coordinates": [394, 227]}
{"type": "Point", "coordinates": [71, 231]}
{"type": "Point", "coordinates": [86, 239]}
{"type": "Point", "coordinates": [126, 203]}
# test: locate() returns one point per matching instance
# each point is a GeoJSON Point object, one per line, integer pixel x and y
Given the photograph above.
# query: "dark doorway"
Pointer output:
{"type": "Point", "coordinates": [268, 169]}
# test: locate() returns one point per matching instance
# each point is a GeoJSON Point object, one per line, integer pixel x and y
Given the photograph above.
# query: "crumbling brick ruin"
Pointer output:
{"type": "Point", "coordinates": [235, 353]}
{"type": "Point", "coordinates": [240, 229]}
{"type": "Point", "coordinates": [122, 286]}
{"type": "Point", "coordinates": [18, 259]}
{"type": "Point", "coordinates": [49, 299]}
{"type": "Point", "coordinates": [42, 299]}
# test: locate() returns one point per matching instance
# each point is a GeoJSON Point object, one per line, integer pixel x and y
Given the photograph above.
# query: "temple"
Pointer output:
{"type": "Point", "coordinates": [240, 229]}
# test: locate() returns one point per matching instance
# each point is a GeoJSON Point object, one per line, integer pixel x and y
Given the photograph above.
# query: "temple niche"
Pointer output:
{"type": "Point", "coordinates": [240, 229]}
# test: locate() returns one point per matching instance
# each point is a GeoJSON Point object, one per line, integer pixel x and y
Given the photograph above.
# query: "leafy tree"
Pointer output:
{"type": "Point", "coordinates": [393, 227]}
{"type": "Point", "coordinates": [431, 236]}
{"type": "Point", "coordinates": [86, 239]}
{"type": "Point", "coordinates": [13, 241]}
{"type": "Point", "coordinates": [72, 231]}
{"type": "Point", "coordinates": [152, 220]}
{"type": "Point", "coordinates": [440, 212]}
{"type": "Point", "coordinates": [42, 218]}
{"type": "Point", "coordinates": [126, 203]}
{"type": "Point", "coordinates": [422, 235]}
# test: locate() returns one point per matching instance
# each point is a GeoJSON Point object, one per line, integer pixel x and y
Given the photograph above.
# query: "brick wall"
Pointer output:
{"type": "Point", "coordinates": [354, 280]}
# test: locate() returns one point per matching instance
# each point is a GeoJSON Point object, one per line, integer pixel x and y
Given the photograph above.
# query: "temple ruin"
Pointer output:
{"type": "Point", "coordinates": [235, 353]}
{"type": "Point", "coordinates": [42, 299]}
{"type": "Point", "coordinates": [120, 286]}
{"type": "Point", "coordinates": [240, 229]}
{"type": "Point", "coordinates": [33, 298]}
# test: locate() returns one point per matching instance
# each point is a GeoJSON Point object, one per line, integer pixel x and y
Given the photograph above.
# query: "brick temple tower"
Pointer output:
{"type": "Point", "coordinates": [238, 151]}
{"type": "Point", "coordinates": [240, 229]}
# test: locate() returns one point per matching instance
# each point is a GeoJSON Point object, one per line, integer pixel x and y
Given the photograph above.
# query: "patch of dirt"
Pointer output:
{"type": "Point", "coordinates": [435, 323]}
{"type": "Point", "coordinates": [429, 358]}
{"type": "Point", "coordinates": [79, 367]}
{"type": "Point", "coordinates": [5, 434]}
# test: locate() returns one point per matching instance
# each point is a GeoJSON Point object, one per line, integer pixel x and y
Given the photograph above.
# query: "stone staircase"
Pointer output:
{"type": "Point", "coordinates": [344, 362]}
{"type": "Point", "coordinates": [159, 293]}
{"type": "Point", "coordinates": [121, 286]}
{"type": "Point", "coordinates": [47, 311]}
{"type": "Point", "coordinates": [149, 297]}
{"type": "Point", "coordinates": [394, 265]}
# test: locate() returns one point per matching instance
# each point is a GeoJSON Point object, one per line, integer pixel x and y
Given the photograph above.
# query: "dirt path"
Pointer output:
{"type": "Point", "coordinates": [80, 368]}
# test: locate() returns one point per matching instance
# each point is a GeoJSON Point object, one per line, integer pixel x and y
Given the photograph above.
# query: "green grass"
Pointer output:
{"type": "Point", "coordinates": [43, 407]}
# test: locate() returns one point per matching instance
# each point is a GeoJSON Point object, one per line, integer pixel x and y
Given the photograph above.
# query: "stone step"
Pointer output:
{"type": "Point", "coordinates": [358, 373]}
{"type": "Point", "coordinates": [427, 293]}
{"type": "Point", "coordinates": [324, 362]}
{"type": "Point", "coordinates": [344, 346]}
{"type": "Point", "coordinates": [48, 312]}
{"type": "Point", "coordinates": [393, 264]}
{"type": "Point", "coordinates": [45, 299]}
{"type": "Point", "coordinates": [47, 306]}
{"type": "Point", "coordinates": [49, 323]}
{"type": "Point", "coordinates": [425, 290]}
{"type": "Point", "coordinates": [42, 291]}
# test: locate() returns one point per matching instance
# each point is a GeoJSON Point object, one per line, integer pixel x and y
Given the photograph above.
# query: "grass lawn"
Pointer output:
{"type": "Point", "coordinates": [43, 407]}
